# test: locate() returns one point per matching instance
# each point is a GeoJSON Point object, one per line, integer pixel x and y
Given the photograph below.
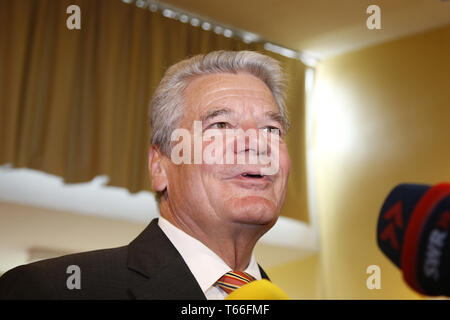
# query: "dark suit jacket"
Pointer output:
{"type": "Point", "coordinates": [148, 268]}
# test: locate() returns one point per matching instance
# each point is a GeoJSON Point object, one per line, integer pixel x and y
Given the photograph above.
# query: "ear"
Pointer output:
{"type": "Point", "coordinates": [156, 169]}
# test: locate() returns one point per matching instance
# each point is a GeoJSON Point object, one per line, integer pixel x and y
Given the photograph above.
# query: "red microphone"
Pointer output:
{"type": "Point", "coordinates": [413, 232]}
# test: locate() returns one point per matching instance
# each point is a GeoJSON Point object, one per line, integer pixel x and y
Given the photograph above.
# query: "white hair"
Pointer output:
{"type": "Point", "coordinates": [167, 104]}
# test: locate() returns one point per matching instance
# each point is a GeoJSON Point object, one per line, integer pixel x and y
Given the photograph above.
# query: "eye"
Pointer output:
{"type": "Point", "coordinates": [271, 129]}
{"type": "Point", "coordinates": [220, 125]}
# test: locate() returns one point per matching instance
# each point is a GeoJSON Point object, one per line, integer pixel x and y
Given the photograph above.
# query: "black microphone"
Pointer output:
{"type": "Point", "coordinates": [413, 232]}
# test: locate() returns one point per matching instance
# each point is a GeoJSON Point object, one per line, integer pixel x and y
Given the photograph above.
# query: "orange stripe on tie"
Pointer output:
{"type": "Point", "coordinates": [233, 280]}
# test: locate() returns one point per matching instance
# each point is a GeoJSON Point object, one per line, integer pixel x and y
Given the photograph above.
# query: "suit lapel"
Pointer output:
{"type": "Point", "coordinates": [163, 274]}
{"type": "Point", "coordinates": [263, 273]}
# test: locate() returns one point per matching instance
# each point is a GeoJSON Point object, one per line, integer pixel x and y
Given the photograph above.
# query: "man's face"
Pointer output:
{"type": "Point", "coordinates": [224, 194]}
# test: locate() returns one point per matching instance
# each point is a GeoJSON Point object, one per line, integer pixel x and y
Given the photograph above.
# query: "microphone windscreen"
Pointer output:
{"type": "Point", "coordinates": [412, 231]}
{"type": "Point", "coordinates": [426, 248]}
{"type": "Point", "coordinates": [394, 217]}
{"type": "Point", "coordinates": [258, 290]}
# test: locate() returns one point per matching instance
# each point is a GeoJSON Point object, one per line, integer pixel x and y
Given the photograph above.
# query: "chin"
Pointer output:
{"type": "Point", "coordinates": [253, 210]}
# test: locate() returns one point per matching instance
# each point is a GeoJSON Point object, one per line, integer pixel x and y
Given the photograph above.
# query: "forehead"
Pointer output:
{"type": "Point", "coordinates": [235, 91]}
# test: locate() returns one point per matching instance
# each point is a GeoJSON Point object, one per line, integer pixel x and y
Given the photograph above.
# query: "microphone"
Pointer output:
{"type": "Point", "coordinates": [258, 290]}
{"type": "Point", "coordinates": [412, 232]}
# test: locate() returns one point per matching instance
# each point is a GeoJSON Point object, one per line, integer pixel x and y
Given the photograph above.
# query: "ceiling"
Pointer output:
{"type": "Point", "coordinates": [322, 28]}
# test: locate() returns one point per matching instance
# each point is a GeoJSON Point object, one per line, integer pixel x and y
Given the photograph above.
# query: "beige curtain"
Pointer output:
{"type": "Point", "coordinates": [74, 103]}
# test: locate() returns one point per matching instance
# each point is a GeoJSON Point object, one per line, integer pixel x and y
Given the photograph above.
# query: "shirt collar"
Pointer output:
{"type": "Point", "coordinates": [206, 266]}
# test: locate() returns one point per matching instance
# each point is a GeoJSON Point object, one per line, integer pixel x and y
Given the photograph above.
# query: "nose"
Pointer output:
{"type": "Point", "coordinates": [250, 142]}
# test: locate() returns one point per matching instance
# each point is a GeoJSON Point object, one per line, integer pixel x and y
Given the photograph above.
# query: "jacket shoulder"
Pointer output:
{"type": "Point", "coordinates": [86, 275]}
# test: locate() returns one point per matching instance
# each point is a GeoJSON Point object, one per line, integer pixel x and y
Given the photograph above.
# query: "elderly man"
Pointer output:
{"type": "Point", "coordinates": [212, 212]}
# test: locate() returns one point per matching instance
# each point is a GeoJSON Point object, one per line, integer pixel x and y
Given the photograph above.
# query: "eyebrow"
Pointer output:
{"type": "Point", "coordinates": [275, 116]}
{"type": "Point", "coordinates": [271, 115]}
{"type": "Point", "coordinates": [215, 113]}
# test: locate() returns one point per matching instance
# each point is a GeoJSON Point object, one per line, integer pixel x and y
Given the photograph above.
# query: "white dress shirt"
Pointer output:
{"type": "Point", "coordinates": [206, 266]}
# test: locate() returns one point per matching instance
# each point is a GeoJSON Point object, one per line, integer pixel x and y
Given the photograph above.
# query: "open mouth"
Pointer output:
{"type": "Point", "coordinates": [252, 176]}
{"type": "Point", "coordinates": [252, 179]}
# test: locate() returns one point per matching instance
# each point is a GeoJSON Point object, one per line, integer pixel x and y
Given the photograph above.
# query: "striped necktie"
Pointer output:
{"type": "Point", "coordinates": [233, 280]}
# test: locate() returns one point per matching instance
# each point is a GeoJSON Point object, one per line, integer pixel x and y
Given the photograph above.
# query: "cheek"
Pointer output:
{"type": "Point", "coordinates": [285, 162]}
{"type": "Point", "coordinates": [213, 178]}
{"type": "Point", "coordinates": [189, 189]}
{"type": "Point", "coordinates": [181, 180]}
{"type": "Point", "coordinates": [210, 179]}
{"type": "Point", "coordinates": [280, 187]}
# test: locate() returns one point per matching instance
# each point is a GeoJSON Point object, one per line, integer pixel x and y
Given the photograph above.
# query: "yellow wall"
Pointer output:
{"type": "Point", "coordinates": [382, 117]}
{"type": "Point", "coordinates": [299, 279]}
